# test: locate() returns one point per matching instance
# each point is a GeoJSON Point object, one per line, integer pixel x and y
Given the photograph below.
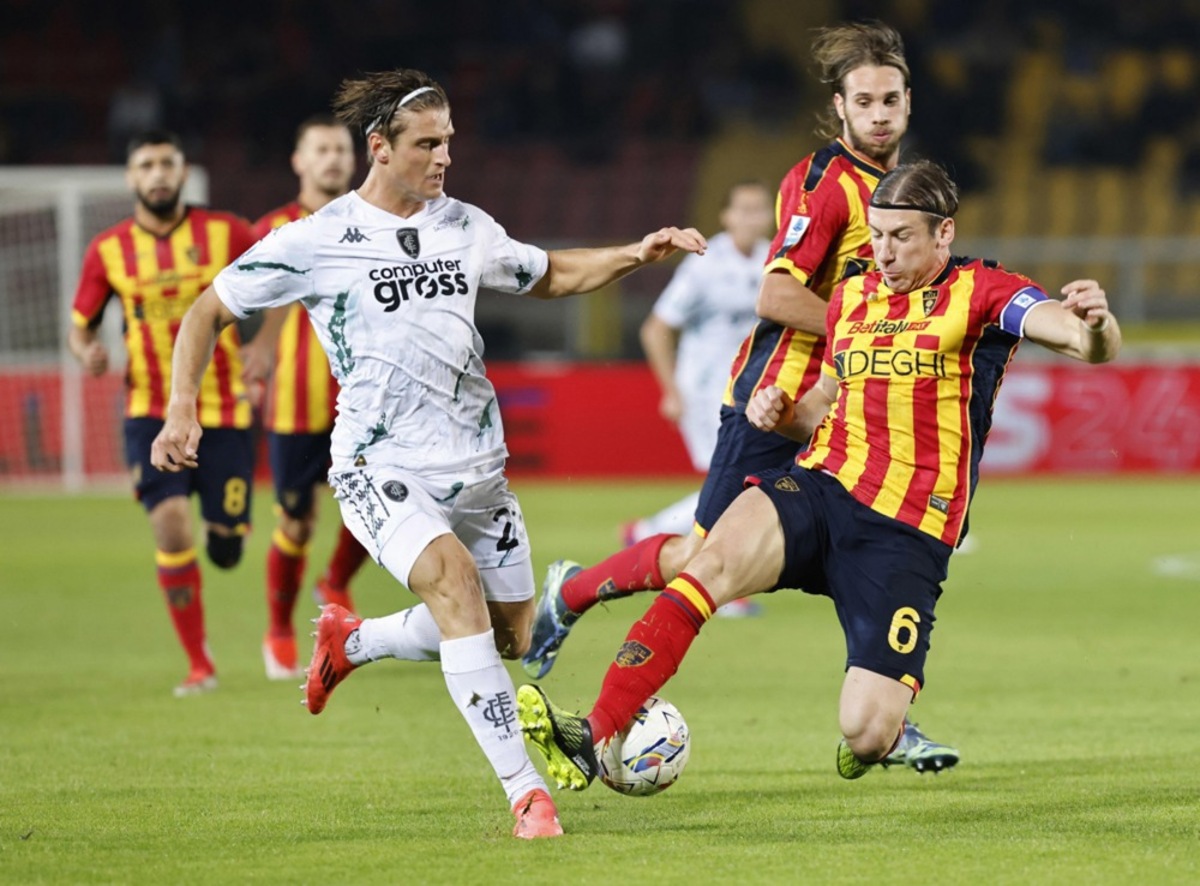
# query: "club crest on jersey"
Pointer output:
{"type": "Point", "coordinates": [194, 255]}
{"type": "Point", "coordinates": [929, 301]}
{"type": "Point", "coordinates": [409, 241]}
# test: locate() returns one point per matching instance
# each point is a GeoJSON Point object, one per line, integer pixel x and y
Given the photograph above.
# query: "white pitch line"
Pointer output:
{"type": "Point", "coordinates": [1185, 566]}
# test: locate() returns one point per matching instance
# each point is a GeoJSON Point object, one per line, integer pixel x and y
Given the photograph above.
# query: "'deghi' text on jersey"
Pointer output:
{"type": "Point", "coordinates": [392, 301]}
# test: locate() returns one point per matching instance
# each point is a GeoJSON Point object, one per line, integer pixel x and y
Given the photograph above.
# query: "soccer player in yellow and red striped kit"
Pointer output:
{"type": "Point", "coordinates": [869, 512]}
{"type": "Point", "coordinates": [822, 239]}
{"type": "Point", "coordinates": [157, 263]}
{"type": "Point", "coordinates": [300, 409]}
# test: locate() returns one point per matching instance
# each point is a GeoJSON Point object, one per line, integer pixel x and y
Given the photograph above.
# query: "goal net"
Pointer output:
{"type": "Point", "coordinates": [56, 426]}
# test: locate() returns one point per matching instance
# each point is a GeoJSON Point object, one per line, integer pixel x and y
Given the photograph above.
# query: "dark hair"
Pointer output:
{"type": "Point", "coordinates": [371, 101]}
{"type": "Point", "coordinates": [315, 121]}
{"type": "Point", "coordinates": [844, 48]}
{"type": "Point", "coordinates": [153, 137]}
{"type": "Point", "coordinates": [921, 185]}
{"type": "Point", "coordinates": [744, 183]}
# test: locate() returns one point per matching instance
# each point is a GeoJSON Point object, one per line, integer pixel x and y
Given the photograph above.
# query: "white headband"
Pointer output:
{"type": "Point", "coordinates": [378, 121]}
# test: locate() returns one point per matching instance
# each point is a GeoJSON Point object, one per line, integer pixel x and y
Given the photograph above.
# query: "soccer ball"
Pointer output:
{"type": "Point", "coordinates": [649, 754]}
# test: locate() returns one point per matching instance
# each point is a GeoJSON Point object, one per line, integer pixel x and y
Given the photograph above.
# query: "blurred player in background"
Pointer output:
{"type": "Point", "coordinates": [389, 274]}
{"type": "Point", "coordinates": [691, 336]}
{"type": "Point", "coordinates": [821, 239]}
{"type": "Point", "coordinates": [300, 409]}
{"type": "Point", "coordinates": [157, 263]}
{"type": "Point", "coordinates": [694, 331]}
{"type": "Point", "coordinates": [869, 512]}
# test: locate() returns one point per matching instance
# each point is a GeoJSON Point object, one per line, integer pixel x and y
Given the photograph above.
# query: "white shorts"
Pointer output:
{"type": "Point", "coordinates": [389, 508]}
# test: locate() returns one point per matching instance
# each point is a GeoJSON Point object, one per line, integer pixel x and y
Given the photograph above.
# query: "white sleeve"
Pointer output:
{"type": "Point", "coordinates": [276, 270]}
{"type": "Point", "coordinates": [679, 301]}
{"type": "Point", "coordinates": [510, 265]}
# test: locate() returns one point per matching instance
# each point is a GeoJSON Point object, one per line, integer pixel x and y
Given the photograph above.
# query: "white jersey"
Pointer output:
{"type": "Point", "coordinates": [710, 300]}
{"type": "Point", "coordinates": [392, 301]}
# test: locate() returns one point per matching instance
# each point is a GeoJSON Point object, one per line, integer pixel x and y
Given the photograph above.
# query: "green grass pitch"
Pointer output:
{"type": "Point", "coordinates": [1065, 666]}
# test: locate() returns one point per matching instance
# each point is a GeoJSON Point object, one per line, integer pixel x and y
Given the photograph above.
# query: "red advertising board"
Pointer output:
{"type": "Point", "coordinates": [601, 420]}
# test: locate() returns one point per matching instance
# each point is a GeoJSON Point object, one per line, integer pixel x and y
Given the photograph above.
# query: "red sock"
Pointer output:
{"type": "Point", "coordinates": [626, 572]}
{"type": "Point", "coordinates": [179, 578]}
{"type": "Point", "coordinates": [650, 654]}
{"type": "Point", "coordinates": [348, 555]}
{"type": "Point", "coordinates": [285, 572]}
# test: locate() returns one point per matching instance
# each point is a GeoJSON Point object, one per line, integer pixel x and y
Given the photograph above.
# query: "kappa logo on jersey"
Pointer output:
{"type": "Point", "coordinates": [400, 283]}
{"type": "Point", "coordinates": [409, 241]}
{"type": "Point", "coordinates": [353, 235]}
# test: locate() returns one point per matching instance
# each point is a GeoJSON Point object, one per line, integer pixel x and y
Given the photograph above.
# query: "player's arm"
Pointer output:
{"type": "Point", "coordinates": [660, 341]}
{"type": "Point", "coordinates": [783, 299]}
{"type": "Point", "coordinates": [572, 271]}
{"type": "Point", "coordinates": [771, 409]}
{"type": "Point", "coordinates": [258, 355]}
{"type": "Point", "coordinates": [176, 445]}
{"type": "Point", "coordinates": [85, 345]}
{"type": "Point", "coordinates": [91, 296]}
{"type": "Point", "coordinates": [1079, 326]}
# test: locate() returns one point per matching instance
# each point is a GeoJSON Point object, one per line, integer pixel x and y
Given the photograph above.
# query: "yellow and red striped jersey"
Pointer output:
{"type": "Point", "coordinates": [822, 238]}
{"type": "Point", "coordinates": [157, 279]}
{"type": "Point", "coordinates": [303, 394]}
{"type": "Point", "coordinates": [918, 374]}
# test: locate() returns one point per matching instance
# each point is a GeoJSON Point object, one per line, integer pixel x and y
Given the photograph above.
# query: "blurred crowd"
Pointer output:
{"type": "Point", "coordinates": [77, 78]}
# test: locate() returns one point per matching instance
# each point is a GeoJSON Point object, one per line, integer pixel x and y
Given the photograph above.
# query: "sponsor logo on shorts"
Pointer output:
{"type": "Point", "coordinates": [633, 654]}
{"type": "Point", "coordinates": [395, 490]}
{"type": "Point", "coordinates": [787, 484]}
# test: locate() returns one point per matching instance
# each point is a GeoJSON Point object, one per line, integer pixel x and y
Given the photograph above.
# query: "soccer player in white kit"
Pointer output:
{"type": "Point", "coordinates": [694, 331]}
{"type": "Point", "coordinates": [389, 275]}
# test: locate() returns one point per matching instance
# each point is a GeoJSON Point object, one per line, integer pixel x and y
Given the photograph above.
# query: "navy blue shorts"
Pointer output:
{"type": "Point", "coordinates": [742, 450]}
{"type": "Point", "coordinates": [298, 463]}
{"type": "Point", "coordinates": [224, 479]}
{"type": "Point", "coordinates": [884, 576]}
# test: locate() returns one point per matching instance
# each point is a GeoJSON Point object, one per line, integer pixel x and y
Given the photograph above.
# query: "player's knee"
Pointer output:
{"type": "Point", "coordinates": [297, 529]}
{"type": "Point", "coordinates": [871, 738]}
{"type": "Point", "coordinates": [225, 551]}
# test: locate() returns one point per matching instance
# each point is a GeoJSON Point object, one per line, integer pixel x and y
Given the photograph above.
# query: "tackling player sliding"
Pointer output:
{"type": "Point", "coordinates": [870, 511]}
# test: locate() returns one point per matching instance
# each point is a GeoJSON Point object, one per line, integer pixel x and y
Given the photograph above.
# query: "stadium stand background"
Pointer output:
{"type": "Point", "coordinates": [596, 121]}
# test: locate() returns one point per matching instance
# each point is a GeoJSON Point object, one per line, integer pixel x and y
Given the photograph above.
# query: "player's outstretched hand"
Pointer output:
{"type": "Point", "coordinates": [176, 445]}
{"type": "Point", "coordinates": [664, 242]}
{"type": "Point", "coordinates": [770, 408]}
{"type": "Point", "coordinates": [1088, 301]}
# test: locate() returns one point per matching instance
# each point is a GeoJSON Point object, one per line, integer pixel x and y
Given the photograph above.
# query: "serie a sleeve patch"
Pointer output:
{"type": "Point", "coordinates": [796, 228]}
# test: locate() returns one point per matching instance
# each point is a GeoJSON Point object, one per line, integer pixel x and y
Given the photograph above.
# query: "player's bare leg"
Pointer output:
{"type": "Point", "coordinates": [450, 587]}
{"type": "Point", "coordinates": [512, 623]}
{"type": "Point", "coordinates": [871, 715]}
{"type": "Point", "coordinates": [179, 579]}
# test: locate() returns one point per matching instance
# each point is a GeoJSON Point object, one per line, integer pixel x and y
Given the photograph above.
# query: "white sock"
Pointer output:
{"type": "Point", "coordinates": [676, 519]}
{"type": "Point", "coordinates": [411, 634]}
{"type": "Point", "coordinates": [480, 686]}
